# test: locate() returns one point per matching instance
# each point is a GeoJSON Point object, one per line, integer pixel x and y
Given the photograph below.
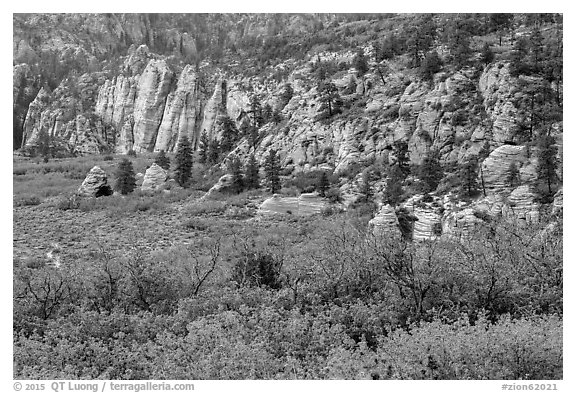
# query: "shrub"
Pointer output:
{"type": "Point", "coordinates": [28, 201]}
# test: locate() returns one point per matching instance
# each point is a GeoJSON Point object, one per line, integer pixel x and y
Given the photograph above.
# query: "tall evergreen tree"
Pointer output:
{"type": "Point", "coordinates": [235, 169]}
{"type": "Point", "coordinates": [252, 179]}
{"type": "Point", "coordinates": [286, 95]}
{"type": "Point", "coordinates": [468, 173]}
{"type": "Point", "coordinates": [125, 177]}
{"type": "Point", "coordinates": [162, 160]}
{"type": "Point", "coordinates": [213, 152]}
{"type": "Point", "coordinates": [256, 111]}
{"type": "Point", "coordinates": [229, 134]}
{"type": "Point", "coordinates": [430, 172]}
{"type": "Point", "coordinates": [253, 137]}
{"type": "Point", "coordinates": [272, 170]}
{"type": "Point", "coordinates": [430, 65]}
{"type": "Point", "coordinates": [366, 192]}
{"type": "Point", "coordinates": [393, 191]}
{"type": "Point", "coordinates": [184, 161]}
{"type": "Point", "coordinates": [402, 159]}
{"type": "Point", "coordinates": [323, 184]}
{"type": "Point", "coordinates": [360, 63]}
{"type": "Point", "coordinates": [547, 164]}
{"type": "Point", "coordinates": [204, 146]}
{"type": "Point", "coordinates": [330, 98]}
{"type": "Point", "coordinates": [266, 114]}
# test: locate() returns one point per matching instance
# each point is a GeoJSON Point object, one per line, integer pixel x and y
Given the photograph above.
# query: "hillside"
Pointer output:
{"type": "Point", "coordinates": [417, 193]}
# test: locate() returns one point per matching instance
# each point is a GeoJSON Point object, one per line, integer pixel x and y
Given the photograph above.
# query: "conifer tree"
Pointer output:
{"type": "Point", "coordinates": [393, 192]}
{"type": "Point", "coordinates": [235, 169]}
{"type": "Point", "coordinates": [402, 159]}
{"type": "Point", "coordinates": [256, 111]}
{"type": "Point", "coordinates": [125, 177]}
{"type": "Point", "coordinates": [276, 116]}
{"type": "Point", "coordinates": [366, 192]}
{"type": "Point", "coordinates": [286, 96]}
{"type": "Point", "coordinates": [468, 173]}
{"type": "Point", "coordinates": [272, 170]}
{"type": "Point", "coordinates": [213, 152]}
{"type": "Point", "coordinates": [252, 179]}
{"type": "Point", "coordinates": [266, 113]}
{"type": "Point", "coordinates": [430, 172]}
{"type": "Point", "coordinates": [229, 134]}
{"type": "Point", "coordinates": [323, 184]}
{"type": "Point", "coordinates": [204, 144]}
{"type": "Point", "coordinates": [330, 98]}
{"type": "Point", "coordinates": [183, 162]}
{"type": "Point", "coordinates": [547, 165]}
{"type": "Point", "coordinates": [162, 160]}
{"type": "Point", "coordinates": [360, 63]}
{"type": "Point", "coordinates": [486, 56]}
{"type": "Point", "coordinates": [253, 137]}
{"type": "Point", "coordinates": [430, 65]}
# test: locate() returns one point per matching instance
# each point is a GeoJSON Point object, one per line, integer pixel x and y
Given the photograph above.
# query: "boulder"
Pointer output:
{"type": "Point", "coordinates": [223, 185]}
{"type": "Point", "coordinates": [95, 184]}
{"type": "Point", "coordinates": [385, 222]}
{"type": "Point", "coordinates": [461, 224]}
{"type": "Point", "coordinates": [154, 178]}
{"type": "Point", "coordinates": [304, 205]}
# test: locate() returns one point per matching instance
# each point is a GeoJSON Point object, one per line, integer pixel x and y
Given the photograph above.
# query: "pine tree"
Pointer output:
{"type": "Point", "coordinates": [330, 98]}
{"type": "Point", "coordinates": [235, 169]}
{"type": "Point", "coordinates": [183, 159]}
{"type": "Point", "coordinates": [468, 173]}
{"type": "Point", "coordinates": [253, 137]}
{"type": "Point", "coordinates": [547, 164]}
{"type": "Point", "coordinates": [162, 160]}
{"type": "Point", "coordinates": [125, 177]}
{"type": "Point", "coordinates": [430, 65]}
{"type": "Point", "coordinates": [252, 179]}
{"type": "Point", "coordinates": [393, 192]}
{"type": "Point", "coordinates": [360, 63]}
{"type": "Point", "coordinates": [229, 134]}
{"type": "Point", "coordinates": [402, 159]}
{"type": "Point", "coordinates": [213, 152]}
{"type": "Point", "coordinates": [430, 172]}
{"type": "Point", "coordinates": [256, 111]}
{"type": "Point", "coordinates": [486, 56]}
{"type": "Point", "coordinates": [286, 96]}
{"type": "Point", "coordinates": [272, 170]}
{"type": "Point", "coordinates": [366, 192]}
{"type": "Point", "coordinates": [323, 184]}
{"type": "Point", "coordinates": [276, 116]}
{"type": "Point", "coordinates": [204, 144]}
{"type": "Point", "coordinates": [266, 114]}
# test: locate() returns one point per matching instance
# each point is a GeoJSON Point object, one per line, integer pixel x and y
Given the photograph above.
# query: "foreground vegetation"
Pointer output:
{"type": "Point", "coordinates": [287, 297]}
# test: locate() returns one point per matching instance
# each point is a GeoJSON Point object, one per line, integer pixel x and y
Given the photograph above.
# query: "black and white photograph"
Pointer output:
{"type": "Point", "coordinates": [287, 196]}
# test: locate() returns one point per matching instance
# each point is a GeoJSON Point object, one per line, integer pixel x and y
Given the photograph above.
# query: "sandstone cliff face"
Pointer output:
{"type": "Point", "coordinates": [496, 167]}
{"type": "Point", "coordinates": [497, 87]}
{"type": "Point", "coordinates": [151, 93]}
{"type": "Point", "coordinates": [182, 110]}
